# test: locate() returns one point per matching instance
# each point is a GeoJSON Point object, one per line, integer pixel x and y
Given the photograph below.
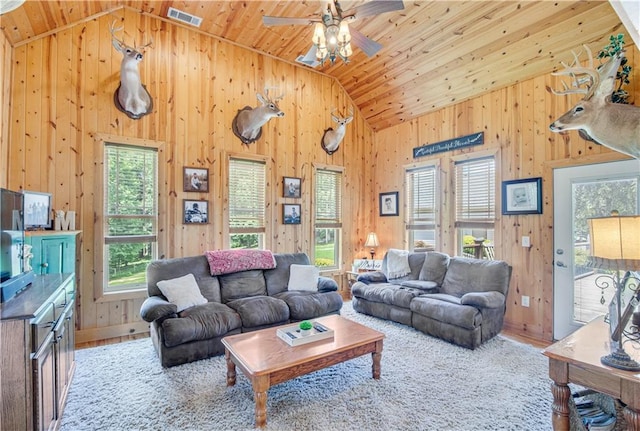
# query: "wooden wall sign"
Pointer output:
{"type": "Point", "coordinates": [450, 145]}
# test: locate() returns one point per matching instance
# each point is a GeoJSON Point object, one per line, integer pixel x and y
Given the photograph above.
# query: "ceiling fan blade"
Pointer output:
{"type": "Point", "coordinates": [375, 8]}
{"type": "Point", "coordinates": [310, 56]}
{"type": "Point", "coordinates": [370, 47]}
{"type": "Point", "coordinates": [278, 20]}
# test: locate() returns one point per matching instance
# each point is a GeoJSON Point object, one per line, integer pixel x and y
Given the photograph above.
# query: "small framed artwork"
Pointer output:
{"type": "Point", "coordinates": [196, 179]}
{"type": "Point", "coordinates": [522, 196]}
{"type": "Point", "coordinates": [291, 213]}
{"type": "Point", "coordinates": [37, 210]}
{"type": "Point", "coordinates": [389, 204]}
{"type": "Point", "coordinates": [292, 187]}
{"type": "Point", "coordinates": [196, 212]}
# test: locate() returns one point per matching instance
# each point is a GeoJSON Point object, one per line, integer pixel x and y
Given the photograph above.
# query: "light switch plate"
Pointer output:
{"type": "Point", "coordinates": [526, 241]}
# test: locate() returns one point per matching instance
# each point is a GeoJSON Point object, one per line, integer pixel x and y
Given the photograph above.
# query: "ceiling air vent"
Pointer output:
{"type": "Point", "coordinates": [307, 62]}
{"type": "Point", "coordinates": [187, 18]}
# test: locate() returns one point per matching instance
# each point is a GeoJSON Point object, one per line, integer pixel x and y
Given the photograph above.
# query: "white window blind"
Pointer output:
{"type": "Point", "coordinates": [247, 194]}
{"type": "Point", "coordinates": [328, 199]}
{"type": "Point", "coordinates": [475, 193]}
{"type": "Point", "coordinates": [421, 197]}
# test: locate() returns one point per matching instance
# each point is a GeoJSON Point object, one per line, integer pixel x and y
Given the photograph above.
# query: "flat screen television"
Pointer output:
{"type": "Point", "coordinates": [13, 276]}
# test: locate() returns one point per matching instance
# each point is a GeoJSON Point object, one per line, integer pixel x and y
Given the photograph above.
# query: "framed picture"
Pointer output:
{"type": "Point", "coordinates": [292, 187]}
{"type": "Point", "coordinates": [291, 213]}
{"type": "Point", "coordinates": [196, 179]}
{"type": "Point", "coordinates": [195, 212]}
{"type": "Point", "coordinates": [37, 210]}
{"type": "Point", "coordinates": [522, 196]}
{"type": "Point", "coordinates": [389, 204]}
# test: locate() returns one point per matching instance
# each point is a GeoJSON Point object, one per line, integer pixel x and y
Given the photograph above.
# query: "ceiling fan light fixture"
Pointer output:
{"type": "Point", "coordinates": [332, 40]}
{"type": "Point", "coordinates": [344, 36]}
{"type": "Point", "coordinates": [318, 35]}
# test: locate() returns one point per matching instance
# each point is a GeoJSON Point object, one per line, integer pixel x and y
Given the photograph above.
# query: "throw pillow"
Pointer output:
{"type": "Point", "coordinates": [303, 277]}
{"type": "Point", "coordinates": [182, 291]}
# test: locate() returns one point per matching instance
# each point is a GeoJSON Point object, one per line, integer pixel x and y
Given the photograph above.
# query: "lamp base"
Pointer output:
{"type": "Point", "coordinates": [621, 360]}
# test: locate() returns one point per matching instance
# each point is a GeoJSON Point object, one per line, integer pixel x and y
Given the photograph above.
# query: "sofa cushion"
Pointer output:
{"type": "Point", "coordinates": [386, 293]}
{"type": "Point", "coordinates": [258, 311]}
{"type": "Point", "coordinates": [241, 285]}
{"type": "Point", "coordinates": [434, 267]}
{"type": "Point", "coordinates": [202, 322]}
{"type": "Point", "coordinates": [277, 279]}
{"type": "Point", "coordinates": [372, 277]}
{"type": "Point", "coordinates": [447, 311]}
{"type": "Point", "coordinates": [165, 269]}
{"type": "Point", "coordinates": [308, 305]}
{"type": "Point", "coordinates": [416, 260]}
{"type": "Point", "coordinates": [474, 275]}
{"type": "Point", "coordinates": [427, 286]}
{"type": "Point", "coordinates": [303, 277]}
{"type": "Point", "coordinates": [182, 291]}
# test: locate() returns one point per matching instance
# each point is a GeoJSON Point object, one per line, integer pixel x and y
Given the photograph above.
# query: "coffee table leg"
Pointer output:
{"type": "Point", "coordinates": [376, 357]}
{"type": "Point", "coordinates": [231, 369]}
{"type": "Point", "coordinates": [260, 388]}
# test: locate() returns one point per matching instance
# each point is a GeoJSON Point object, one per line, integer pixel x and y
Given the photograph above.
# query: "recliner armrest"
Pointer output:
{"type": "Point", "coordinates": [326, 284]}
{"type": "Point", "coordinates": [155, 307]}
{"type": "Point", "coordinates": [372, 277]}
{"type": "Point", "coordinates": [483, 299]}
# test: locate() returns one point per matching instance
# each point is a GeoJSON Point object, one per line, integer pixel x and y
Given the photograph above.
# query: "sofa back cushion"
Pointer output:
{"type": "Point", "coordinates": [466, 275]}
{"type": "Point", "coordinates": [278, 278]}
{"type": "Point", "coordinates": [242, 285]}
{"type": "Point", "coordinates": [434, 267]}
{"type": "Point", "coordinates": [167, 269]}
{"type": "Point", "coordinates": [416, 260]}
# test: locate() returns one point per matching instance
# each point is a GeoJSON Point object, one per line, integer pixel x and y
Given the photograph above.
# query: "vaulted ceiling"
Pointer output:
{"type": "Point", "coordinates": [435, 53]}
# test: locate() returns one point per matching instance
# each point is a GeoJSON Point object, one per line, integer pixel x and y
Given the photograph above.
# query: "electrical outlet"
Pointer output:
{"type": "Point", "coordinates": [525, 301]}
{"type": "Point", "coordinates": [526, 241]}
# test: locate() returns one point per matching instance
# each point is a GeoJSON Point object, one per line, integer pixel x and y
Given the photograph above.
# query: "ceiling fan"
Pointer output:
{"type": "Point", "coordinates": [332, 36]}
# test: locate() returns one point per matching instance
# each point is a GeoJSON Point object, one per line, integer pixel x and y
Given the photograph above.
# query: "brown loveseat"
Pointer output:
{"type": "Point", "coordinates": [458, 299]}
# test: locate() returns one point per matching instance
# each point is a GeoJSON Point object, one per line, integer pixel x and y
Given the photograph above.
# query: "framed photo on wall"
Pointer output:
{"type": "Point", "coordinates": [292, 187]}
{"type": "Point", "coordinates": [37, 210]}
{"type": "Point", "coordinates": [522, 196]}
{"type": "Point", "coordinates": [195, 212]}
{"type": "Point", "coordinates": [291, 213]}
{"type": "Point", "coordinates": [389, 204]}
{"type": "Point", "coordinates": [196, 179]}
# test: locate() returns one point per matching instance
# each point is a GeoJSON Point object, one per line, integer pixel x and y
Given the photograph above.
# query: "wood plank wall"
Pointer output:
{"type": "Point", "coordinates": [62, 107]}
{"type": "Point", "coordinates": [5, 91]}
{"type": "Point", "coordinates": [515, 121]}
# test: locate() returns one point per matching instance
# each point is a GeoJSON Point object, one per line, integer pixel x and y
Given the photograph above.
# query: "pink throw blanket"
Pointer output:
{"type": "Point", "coordinates": [228, 261]}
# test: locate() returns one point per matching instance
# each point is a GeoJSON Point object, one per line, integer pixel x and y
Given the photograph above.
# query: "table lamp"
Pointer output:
{"type": "Point", "coordinates": [615, 246]}
{"type": "Point", "coordinates": [372, 241]}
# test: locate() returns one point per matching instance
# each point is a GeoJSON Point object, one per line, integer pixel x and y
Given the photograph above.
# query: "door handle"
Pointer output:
{"type": "Point", "coordinates": [561, 264]}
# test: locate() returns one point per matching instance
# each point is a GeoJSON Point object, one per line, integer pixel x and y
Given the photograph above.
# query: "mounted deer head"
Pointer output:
{"type": "Point", "coordinates": [331, 138]}
{"type": "Point", "coordinates": [248, 122]}
{"type": "Point", "coordinates": [132, 96]}
{"type": "Point", "coordinates": [614, 125]}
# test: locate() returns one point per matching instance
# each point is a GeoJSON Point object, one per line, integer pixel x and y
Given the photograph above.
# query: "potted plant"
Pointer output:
{"type": "Point", "coordinates": [305, 327]}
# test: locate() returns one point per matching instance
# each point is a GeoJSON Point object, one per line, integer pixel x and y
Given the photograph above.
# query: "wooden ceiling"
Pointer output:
{"type": "Point", "coordinates": [436, 53]}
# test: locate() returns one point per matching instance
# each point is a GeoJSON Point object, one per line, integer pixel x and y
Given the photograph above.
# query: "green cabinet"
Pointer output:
{"type": "Point", "coordinates": [54, 252]}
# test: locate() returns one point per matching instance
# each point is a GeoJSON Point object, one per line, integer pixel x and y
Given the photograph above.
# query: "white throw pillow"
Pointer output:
{"type": "Point", "coordinates": [182, 291]}
{"type": "Point", "coordinates": [303, 277]}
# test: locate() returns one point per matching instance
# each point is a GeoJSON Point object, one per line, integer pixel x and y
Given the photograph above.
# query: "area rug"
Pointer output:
{"type": "Point", "coordinates": [426, 384]}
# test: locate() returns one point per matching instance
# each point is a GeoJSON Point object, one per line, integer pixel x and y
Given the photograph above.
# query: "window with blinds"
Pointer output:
{"type": "Point", "coordinates": [328, 217]}
{"type": "Point", "coordinates": [130, 215]}
{"type": "Point", "coordinates": [421, 192]}
{"type": "Point", "coordinates": [247, 198]}
{"type": "Point", "coordinates": [475, 207]}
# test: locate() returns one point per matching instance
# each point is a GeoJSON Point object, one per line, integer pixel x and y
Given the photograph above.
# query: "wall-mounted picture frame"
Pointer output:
{"type": "Point", "coordinates": [37, 210]}
{"type": "Point", "coordinates": [291, 213]}
{"type": "Point", "coordinates": [195, 212]}
{"type": "Point", "coordinates": [389, 204]}
{"type": "Point", "coordinates": [196, 179]}
{"type": "Point", "coordinates": [291, 187]}
{"type": "Point", "coordinates": [522, 196]}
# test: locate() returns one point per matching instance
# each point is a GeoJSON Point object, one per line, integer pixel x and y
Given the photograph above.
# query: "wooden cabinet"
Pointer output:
{"type": "Point", "coordinates": [37, 336]}
{"type": "Point", "coordinates": [54, 252]}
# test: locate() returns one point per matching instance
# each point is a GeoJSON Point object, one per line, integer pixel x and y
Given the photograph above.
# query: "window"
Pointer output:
{"type": "Point", "coordinates": [328, 218]}
{"type": "Point", "coordinates": [475, 207]}
{"type": "Point", "coordinates": [247, 197]}
{"type": "Point", "coordinates": [421, 207]}
{"type": "Point", "coordinates": [130, 221]}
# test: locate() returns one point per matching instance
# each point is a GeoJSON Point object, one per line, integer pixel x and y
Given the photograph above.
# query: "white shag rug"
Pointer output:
{"type": "Point", "coordinates": [426, 384]}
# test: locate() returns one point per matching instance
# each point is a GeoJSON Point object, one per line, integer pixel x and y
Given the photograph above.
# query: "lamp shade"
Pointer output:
{"type": "Point", "coordinates": [615, 242]}
{"type": "Point", "coordinates": [372, 240]}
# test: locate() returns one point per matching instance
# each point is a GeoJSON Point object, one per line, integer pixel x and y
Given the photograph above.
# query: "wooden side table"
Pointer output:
{"type": "Point", "coordinates": [576, 359]}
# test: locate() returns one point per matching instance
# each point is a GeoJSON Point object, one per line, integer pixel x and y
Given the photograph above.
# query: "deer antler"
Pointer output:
{"type": "Point", "coordinates": [580, 75]}
{"type": "Point", "coordinates": [113, 30]}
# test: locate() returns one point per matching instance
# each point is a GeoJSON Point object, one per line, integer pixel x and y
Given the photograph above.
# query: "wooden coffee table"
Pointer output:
{"type": "Point", "coordinates": [267, 360]}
